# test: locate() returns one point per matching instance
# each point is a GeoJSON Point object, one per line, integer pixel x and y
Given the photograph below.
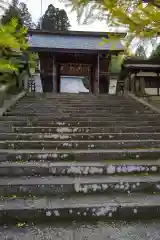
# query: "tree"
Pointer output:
{"type": "Point", "coordinates": [156, 53]}
{"type": "Point", "coordinates": [18, 11]}
{"type": "Point", "coordinates": [25, 15]}
{"type": "Point", "coordinates": [141, 18]}
{"type": "Point", "coordinates": [11, 12]}
{"type": "Point", "coordinates": [140, 52]}
{"type": "Point", "coordinates": [11, 43]}
{"type": "Point", "coordinates": [54, 19]}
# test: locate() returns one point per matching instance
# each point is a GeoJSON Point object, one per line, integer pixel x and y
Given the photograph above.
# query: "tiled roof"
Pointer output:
{"type": "Point", "coordinates": [76, 42]}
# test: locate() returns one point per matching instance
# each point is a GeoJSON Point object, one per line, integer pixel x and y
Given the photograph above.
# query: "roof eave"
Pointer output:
{"type": "Point", "coordinates": [76, 33]}
{"type": "Point", "coordinates": [60, 50]}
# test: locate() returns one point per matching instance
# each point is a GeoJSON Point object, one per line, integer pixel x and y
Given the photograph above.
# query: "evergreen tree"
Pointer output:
{"type": "Point", "coordinates": [64, 23]}
{"type": "Point", "coordinates": [20, 12]}
{"type": "Point", "coordinates": [25, 15]}
{"type": "Point", "coordinates": [11, 12]}
{"type": "Point", "coordinates": [156, 53]}
{"type": "Point", "coordinates": [140, 52]}
{"type": "Point", "coordinates": [54, 19]}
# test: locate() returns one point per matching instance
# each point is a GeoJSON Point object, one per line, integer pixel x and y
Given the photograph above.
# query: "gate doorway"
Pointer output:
{"type": "Point", "coordinates": [75, 78]}
{"type": "Point", "coordinates": [73, 84]}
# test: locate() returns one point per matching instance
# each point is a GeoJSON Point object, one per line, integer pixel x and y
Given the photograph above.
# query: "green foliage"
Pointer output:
{"type": "Point", "coordinates": [33, 58]}
{"type": "Point", "coordinates": [141, 19]}
{"type": "Point", "coordinates": [115, 64]}
{"type": "Point", "coordinates": [54, 19]}
{"type": "Point", "coordinates": [12, 44]}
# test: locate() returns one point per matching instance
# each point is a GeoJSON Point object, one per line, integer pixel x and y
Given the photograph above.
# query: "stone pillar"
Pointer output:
{"type": "Point", "coordinates": [126, 84]}
{"type": "Point", "coordinates": [142, 86]}
{"type": "Point", "coordinates": [137, 86]}
{"type": "Point", "coordinates": [132, 79]}
{"type": "Point", "coordinates": [38, 83]}
{"type": "Point", "coordinates": [26, 78]}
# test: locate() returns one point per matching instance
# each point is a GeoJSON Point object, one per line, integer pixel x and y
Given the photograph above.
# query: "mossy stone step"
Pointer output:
{"type": "Point", "coordinates": [78, 155]}
{"type": "Point", "coordinates": [54, 186]}
{"type": "Point", "coordinates": [79, 136]}
{"type": "Point", "coordinates": [153, 117]}
{"type": "Point", "coordinates": [99, 144]}
{"type": "Point", "coordinates": [80, 123]}
{"type": "Point", "coordinates": [15, 169]}
{"type": "Point", "coordinates": [61, 129]}
{"type": "Point", "coordinates": [131, 207]}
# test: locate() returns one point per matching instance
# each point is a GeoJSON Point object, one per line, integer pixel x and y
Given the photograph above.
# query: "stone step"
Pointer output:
{"type": "Point", "coordinates": [61, 114]}
{"type": "Point", "coordinates": [80, 105]}
{"type": "Point", "coordinates": [82, 108]}
{"type": "Point", "coordinates": [82, 102]}
{"type": "Point", "coordinates": [79, 110]}
{"type": "Point", "coordinates": [75, 98]}
{"type": "Point", "coordinates": [105, 99]}
{"type": "Point", "coordinates": [120, 230]}
{"type": "Point", "coordinates": [93, 155]}
{"type": "Point", "coordinates": [47, 95]}
{"type": "Point", "coordinates": [70, 106]}
{"type": "Point", "coordinates": [111, 117]}
{"type": "Point", "coordinates": [79, 101]}
{"type": "Point", "coordinates": [71, 95]}
{"type": "Point", "coordinates": [99, 144]}
{"type": "Point", "coordinates": [80, 123]}
{"type": "Point", "coordinates": [118, 168]}
{"type": "Point", "coordinates": [128, 207]}
{"type": "Point", "coordinates": [114, 129]}
{"type": "Point", "coordinates": [76, 113]}
{"type": "Point", "coordinates": [86, 113]}
{"type": "Point", "coordinates": [79, 136]}
{"type": "Point", "coordinates": [54, 186]}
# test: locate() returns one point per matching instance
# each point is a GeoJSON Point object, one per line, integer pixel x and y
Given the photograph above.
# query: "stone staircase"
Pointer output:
{"type": "Point", "coordinates": [79, 157]}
